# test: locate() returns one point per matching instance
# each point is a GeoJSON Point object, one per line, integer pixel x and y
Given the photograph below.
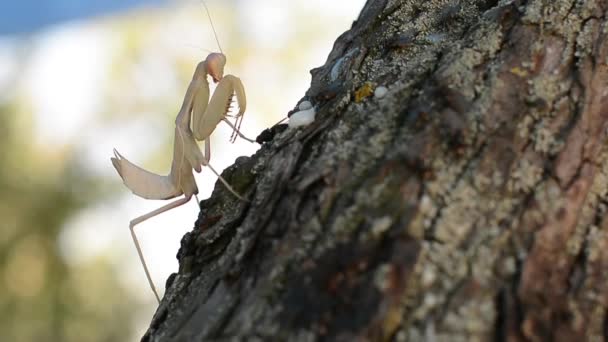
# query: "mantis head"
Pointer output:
{"type": "Point", "coordinates": [215, 65]}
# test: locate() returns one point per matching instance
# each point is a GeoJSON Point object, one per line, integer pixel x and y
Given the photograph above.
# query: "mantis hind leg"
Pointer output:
{"type": "Point", "coordinates": [141, 219]}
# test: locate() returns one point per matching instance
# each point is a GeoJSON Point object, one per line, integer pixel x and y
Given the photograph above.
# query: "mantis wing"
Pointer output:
{"type": "Point", "coordinates": [144, 183]}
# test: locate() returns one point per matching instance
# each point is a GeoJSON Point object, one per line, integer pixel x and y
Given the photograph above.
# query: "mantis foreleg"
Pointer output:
{"type": "Point", "coordinates": [207, 115]}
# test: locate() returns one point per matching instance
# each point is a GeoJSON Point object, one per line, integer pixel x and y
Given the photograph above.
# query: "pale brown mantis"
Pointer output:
{"type": "Point", "coordinates": [196, 120]}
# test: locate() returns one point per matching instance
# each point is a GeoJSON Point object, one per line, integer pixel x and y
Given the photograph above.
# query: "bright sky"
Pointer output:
{"type": "Point", "coordinates": [69, 65]}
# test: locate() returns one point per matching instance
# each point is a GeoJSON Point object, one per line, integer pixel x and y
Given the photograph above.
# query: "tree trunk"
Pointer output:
{"type": "Point", "coordinates": [467, 204]}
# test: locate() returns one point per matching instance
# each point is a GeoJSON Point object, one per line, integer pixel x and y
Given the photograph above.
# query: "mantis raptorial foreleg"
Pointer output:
{"type": "Point", "coordinates": [141, 219]}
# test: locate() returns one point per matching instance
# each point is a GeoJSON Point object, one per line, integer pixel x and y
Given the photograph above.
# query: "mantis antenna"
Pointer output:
{"type": "Point", "coordinates": [212, 26]}
{"type": "Point", "coordinates": [198, 47]}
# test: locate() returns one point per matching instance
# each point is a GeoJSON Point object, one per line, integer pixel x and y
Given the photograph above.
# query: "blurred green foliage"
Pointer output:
{"type": "Point", "coordinates": [43, 298]}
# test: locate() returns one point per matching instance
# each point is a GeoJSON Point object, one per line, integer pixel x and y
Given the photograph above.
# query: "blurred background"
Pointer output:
{"type": "Point", "coordinates": [80, 78]}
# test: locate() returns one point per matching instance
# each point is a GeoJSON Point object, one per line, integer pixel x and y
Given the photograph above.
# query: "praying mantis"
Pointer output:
{"type": "Point", "coordinates": [195, 121]}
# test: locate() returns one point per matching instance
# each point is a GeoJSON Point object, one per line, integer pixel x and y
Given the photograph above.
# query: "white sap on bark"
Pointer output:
{"type": "Point", "coordinates": [302, 118]}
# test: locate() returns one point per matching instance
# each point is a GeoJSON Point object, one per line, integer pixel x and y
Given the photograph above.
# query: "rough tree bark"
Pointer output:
{"type": "Point", "coordinates": [468, 204]}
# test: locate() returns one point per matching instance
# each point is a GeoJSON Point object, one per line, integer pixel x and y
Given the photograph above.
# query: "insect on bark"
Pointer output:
{"type": "Point", "coordinates": [196, 120]}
